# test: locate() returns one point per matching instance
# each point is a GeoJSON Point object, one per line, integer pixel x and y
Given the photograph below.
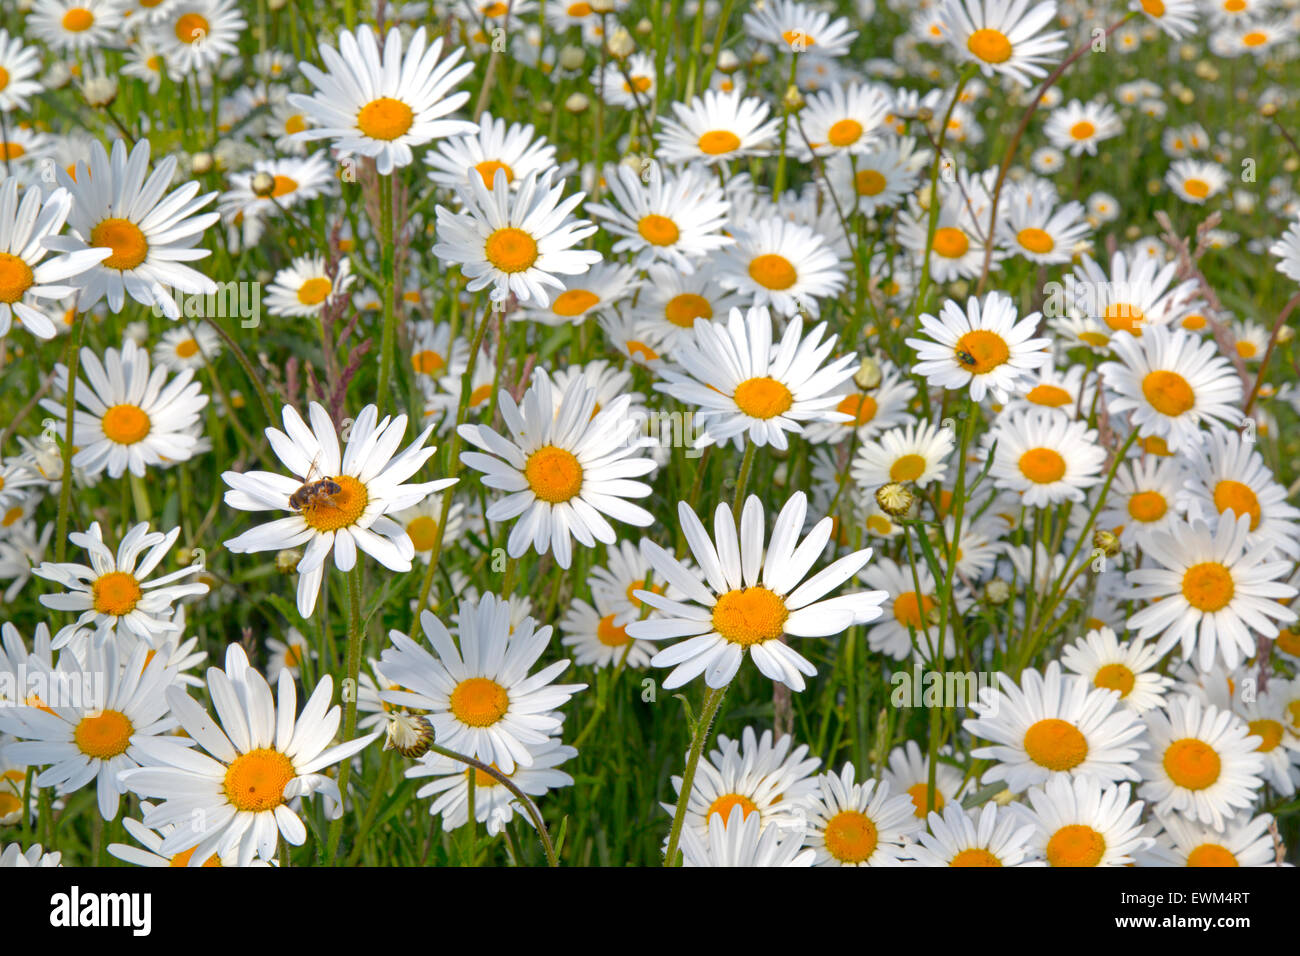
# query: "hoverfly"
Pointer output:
{"type": "Point", "coordinates": [965, 357]}
{"type": "Point", "coordinates": [321, 491]}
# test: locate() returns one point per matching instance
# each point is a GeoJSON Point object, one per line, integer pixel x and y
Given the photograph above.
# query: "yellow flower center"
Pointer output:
{"type": "Point", "coordinates": [104, 736]}
{"type": "Point", "coordinates": [851, 837]}
{"type": "Point", "coordinates": [1124, 317]}
{"type": "Point", "coordinates": [609, 635]}
{"type": "Point", "coordinates": [78, 20]}
{"type": "Point", "coordinates": [1147, 506]}
{"type": "Point", "coordinates": [748, 616]}
{"type": "Point", "coordinates": [1211, 854]}
{"type": "Point", "coordinates": [1115, 677]}
{"type": "Point", "coordinates": [187, 349]}
{"type": "Point", "coordinates": [125, 424]}
{"type": "Point", "coordinates": [1270, 732]}
{"type": "Point", "coordinates": [975, 857]}
{"type": "Point", "coordinates": [1254, 38]}
{"type": "Point", "coordinates": [125, 239]}
{"type": "Point", "coordinates": [682, 310]}
{"type": "Point", "coordinates": [919, 792]}
{"type": "Point", "coordinates": [727, 802]}
{"type": "Point", "coordinates": [798, 36]}
{"type": "Point", "coordinates": [15, 278]}
{"type": "Point", "coordinates": [295, 124]}
{"type": "Point", "coordinates": [1289, 641]}
{"type": "Point", "coordinates": [1192, 764]}
{"type": "Point", "coordinates": [868, 182]}
{"type": "Point", "coordinates": [846, 132]}
{"type": "Point", "coordinates": [580, 9]}
{"type": "Point", "coordinates": [1083, 130]}
{"type": "Point", "coordinates": [772, 271]}
{"type": "Point", "coordinates": [331, 512]}
{"type": "Point", "coordinates": [911, 612]}
{"type": "Point", "coordinates": [1055, 744]}
{"type": "Point", "coordinates": [255, 781]}
{"type": "Point", "coordinates": [183, 859]}
{"type": "Point", "coordinates": [639, 84]}
{"type": "Point", "coordinates": [554, 474]}
{"type": "Point", "coordinates": [115, 593]}
{"type": "Point", "coordinates": [988, 349]}
{"type": "Point", "coordinates": [428, 362]}
{"type": "Point", "coordinates": [1154, 8]}
{"type": "Point", "coordinates": [510, 249]}
{"type": "Point", "coordinates": [1196, 188]}
{"type": "Point", "coordinates": [639, 585]}
{"type": "Point", "coordinates": [658, 230]}
{"type": "Point", "coordinates": [423, 532]}
{"type": "Point", "coordinates": [908, 468]}
{"type": "Point", "coordinates": [1036, 240]}
{"type": "Point", "coordinates": [479, 701]}
{"type": "Point", "coordinates": [950, 242]}
{"type": "Point", "coordinates": [191, 27]}
{"type": "Point", "coordinates": [763, 397]}
{"type": "Point", "coordinates": [574, 302]}
{"type": "Point", "coordinates": [863, 408]}
{"type": "Point", "coordinates": [989, 45]}
{"type": "Point", "coordinates": [4, 77]}
{"type": "Point", "coordinates": [480, 395]}
{"type": "Point", "coordinates": [1042, 466]}
{"type": "Point", "coordinates": [1238, 497]}
{"type": "Point", "coordinates": [488, 170]}
{"type": "Point", "coordinates": [314, 291]}
{"type": "Point", "coordinates": [1168, 393]}
{"type": "Point", "coordinates": [385, 118]}
{"type": "Point", "coordinates": [1208, 586]}
{"type": "Point", "coordinates": [1076, 845]}
{"type": "Point", "coordinates": [1246, 350]}
{"type": "Point", "coordinates": [718, 141]}
{"type": "Point", "coordinates": [1049, 395]}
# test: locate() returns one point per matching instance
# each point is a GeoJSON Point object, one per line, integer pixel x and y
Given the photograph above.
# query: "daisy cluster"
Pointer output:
{"type": "Point", "coordinates": [442, 416]}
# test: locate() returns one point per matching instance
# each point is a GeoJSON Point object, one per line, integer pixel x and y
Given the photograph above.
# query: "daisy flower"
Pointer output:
{"type": "Point", "coordinates": [769, 780]}
{"type": "Point", "coordinates": [421, 524]}
{"type": "Point", "coordinates": [18, 64]}
{"type": "Point", "coordinates": [615, 585]}
{"type": "Point", "coordinates": [150, 235]}
{"type": "Point", "coordinates": [115, 596]}
{"type": "Point", "coordinates": [1172, 381]}
{"type": "Point", "coordinates": [1126, 668]}
{"type": "Point", "coordinates": [287, 655]}
{"type": "Point", "coordinates": [597, 639]}
{"type": "Point", "coordinates": [842, 120]}
{"type": "Point", "coordinates": [785, 265]}
{"type": "Point", "coordinates": [1078, 127]}
{"type": "Point", "coordinates": [983, 347]}
{"type": "Point", "coordinates": [371, 483]}
{"type": "Point", "coordinates": [671, 301]}
{"type": "Point", "coordinates": [1195, 181]}
{"type": "Point", "coordinates": [494, 804]}
{"type": "Point", "coordinates": [516, 150]}
{"type": "Point", "coordinates": [914, 453]}
{"type": "Point", "coordinates": [1004, 37]}
{"type": "Point", "coordinates": [957, 251]}
{"type": "Point", "coordinates": [1044, 457]}
{"type": "Point", "coordinates": [563, 469]}
{"type": "Point", "coordinates": [738, 840]}
{"type": "Point", "coordinates": [1177, 18]}
{"type": "Point", "coordinates": [909, 772]}
{"type": "Point", "coordinates": [1203, 762]}
{"type": "Point", "coordinates": [909, 621]}
{"type": "Point", "coordinates": [715, 128]}
{"type": "Point", "coordinates": [515, 242]}
{"type": "Point", "coordinates": [1287, 250]}
{"type": "Point", "coordinates": [677, 219]}
{"type": "Point", "coordinates": [306, 288]}
{"type": "Point", "coordinates": [870, 411]}
{"type": "Point", "coordinates": [799, 27]}
{"type": "Point", "coordinates": [194, 35]}
{"type": "Point", "coordinates": [380, 104]}
{"type": "Point", "coordinates": [480, 698]}
{"type": "Point", "coordinates": [149, 852]}
{"type": "Point", "coordinates": [742, 385]}
{"type": "Point", "coordinates": [130, 418]}
{"type": "Point", "coordinates": [1230, 476]}
{"type": "Point", "coordinates": [187, 347]}
{"type": "Point", "coordinates": [600, 288]}
{"type": "Point", "coordinates": [1266, 717]}
{"type": "Point", "coordinates": [1054, 726]}
{"type": "Point", "coordinates": [990, 836]}
{"type": "Point", "coordinates": [294, 181]}
{"type": "Point", "coordinates": [259, 757]}
{"type": "Point", "coordinates": [859, 824]}
{"type": "Point", "coordinates": [14, 856]}
{"type": "Point", "coordinates": [751, 597]}
{"type": "Point", "coordinates": [98, 735]}
{"type": "Point", "coordinates": [1214, 595]}
{"type": "Point", "coordinates": [1078, 822]}
{"type": "Point", "coordinates": [1142, 499]}
{"type": "Point", "coordinates": [26, 273]}
{"type": "Point", "coordinates": [1244, 841]}
{"type": "Point", "coordinates": [75, 26]}
{"type": "Point", "coordinates": [879, 178]}
{"type": "Point", "coordinates": [1039, 229]}
{"type": "Point", "coordinates": [628, 84]}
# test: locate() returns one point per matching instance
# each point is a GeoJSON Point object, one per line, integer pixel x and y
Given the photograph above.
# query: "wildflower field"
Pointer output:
{"type": "Point", "coordinates": [649, 432]}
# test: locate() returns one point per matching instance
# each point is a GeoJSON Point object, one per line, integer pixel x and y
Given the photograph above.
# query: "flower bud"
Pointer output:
{"type": "Point", "coordinates": [409, 734]}
{"type": "Point", "coordinates": [895, 499]}
{"type": "Point", "coordinates": [262, 184]}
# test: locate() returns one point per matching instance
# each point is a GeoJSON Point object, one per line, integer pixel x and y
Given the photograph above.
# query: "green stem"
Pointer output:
{"type": "Point", "coordinates": [69, 411]}
{"type": "Point", "coordinates": [350, 704]}
{"type": "Point", "coordinates": [390, 288]}
{"type": "Point", "coordinates": [711, 704]}
{"type": "Point", "coordinates": [742, 480]}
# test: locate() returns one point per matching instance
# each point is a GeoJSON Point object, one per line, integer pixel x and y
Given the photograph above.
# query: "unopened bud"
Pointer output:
{"type": "Point", "coordinates": [409, 734]}
{"type": "Point", "coordinates": [621, 44]}
{"type": "Point", "coordinates": [572, 57]}
{"type": "Point", "coordinates": [644, 27]}
{"type": "Point", "coordinates": [997, 591]}
{"type": "Point", "coordinates": [868, 375]}
{"type": "Point", "coordinates": [602, 6]}
{"type": "Point", "coordinates": [728, 62]}
{"type": "Point", "coordinates": [895, 499]}
{"type": "Point", "coordinates": [287, 560]}
{"type": "Point", "coordinates": [793, 99]}
{"type": "Point", "coordinates": [576, 103]}
{"type": "Point", "coordinates": [201, 163]}
{"type": "Point", "coordinates": [1285, 334]}
{"type": "Point", "coordinates": [1268, 109]}
{"type": "Point", "coordinates": [1106, 542]}
{"type": "Point", "coordinates": [262, 184]}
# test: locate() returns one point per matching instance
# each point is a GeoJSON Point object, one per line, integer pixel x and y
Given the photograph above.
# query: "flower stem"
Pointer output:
{"type": "Point", "coordinates": [349, 702]}
{"type": "Point", "coordinates": [69, 412]}
{"type": "Point", "coordinates": [742, 480]}
{"type": "Point", "coordinates": [711, 704]}
{"type": "Point", "coordinates": [389, 276]}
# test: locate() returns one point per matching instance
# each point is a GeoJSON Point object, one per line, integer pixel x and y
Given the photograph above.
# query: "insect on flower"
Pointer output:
{"type": "Point", "coordinates": [315, 494]}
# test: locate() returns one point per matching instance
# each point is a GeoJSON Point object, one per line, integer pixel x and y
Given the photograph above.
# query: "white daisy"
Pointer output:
{"type": "Point", "coordinates": [738, 840]}
{"type": "Point", "coordinates": [1126, 668]}
{"type": "Point", "coordinates": [785, 265]}
{"type": "Point", "coordinates": [715, 128]}
{"type": "Point", "coordinates": [991, 836]}
{"type": "Point", "coordinates": [1245, 841]}
{"type": "Point", "coordinates": [859, 824]}
{"type": "Point", "coordinates": [194, 35]}
{"type": "Point", "coordinates": [515, 149]}
{"type": "Point", "coordinates": [1078, 822]}
{"type": "Point", "coordinates": [1078, 127]}
{"type": "Point", "coordinates": [1003, 36]}
{"type": "Point", "coordinates": [305, 287]}
{"type": "Point", "coordinates": [1044, 456]}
